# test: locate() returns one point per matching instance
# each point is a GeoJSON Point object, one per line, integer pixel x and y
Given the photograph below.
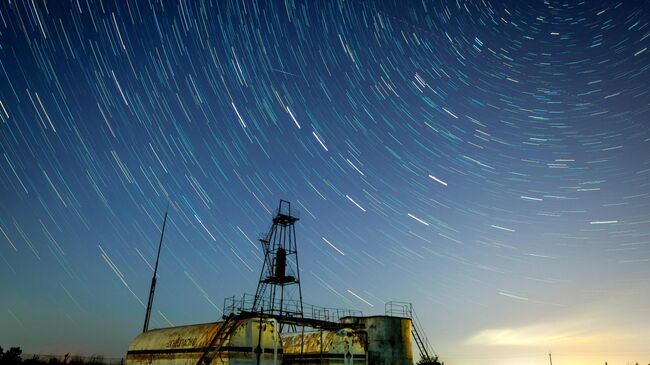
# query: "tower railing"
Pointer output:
{"type": "Point", "coordinates": [286, 210]}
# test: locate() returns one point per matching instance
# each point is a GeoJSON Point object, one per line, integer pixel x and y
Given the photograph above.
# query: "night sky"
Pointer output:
{"type": "Point", "coordinates": [488, 161]}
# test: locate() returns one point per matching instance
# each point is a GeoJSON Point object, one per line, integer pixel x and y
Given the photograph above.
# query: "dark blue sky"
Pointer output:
{"type": "Point", "coordinates": [488, 161]}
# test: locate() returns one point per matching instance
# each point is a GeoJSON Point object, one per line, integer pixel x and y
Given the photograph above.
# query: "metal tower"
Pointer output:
{"type": "Point", "coordinates": [278, 290]}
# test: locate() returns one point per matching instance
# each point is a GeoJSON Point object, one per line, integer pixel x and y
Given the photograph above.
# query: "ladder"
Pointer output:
{"type": "Point", "coordinates": [219, 340]}
{"type": "Point", "coordinates": [422, 342]}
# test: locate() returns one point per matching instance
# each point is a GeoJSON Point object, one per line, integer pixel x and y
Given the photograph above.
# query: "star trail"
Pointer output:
{"type": "Point", "coordinates": [488, 161]}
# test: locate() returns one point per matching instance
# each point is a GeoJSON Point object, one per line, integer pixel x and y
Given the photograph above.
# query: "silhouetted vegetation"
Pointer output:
{"type": "Point", "coordinates": [15, 356]}
{"type": "Point", "coordinates": [11, 357]}
{"type": "Point", "coordinates": [433, 361]}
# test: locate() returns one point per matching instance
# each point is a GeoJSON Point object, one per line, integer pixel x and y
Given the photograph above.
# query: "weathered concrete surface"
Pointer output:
{"type": "Point", "coordinates": [184, 345]}
{"type": "Point", "coordinates": [343, 347]}
{"type": "Point", "coordinates": [389, 339]}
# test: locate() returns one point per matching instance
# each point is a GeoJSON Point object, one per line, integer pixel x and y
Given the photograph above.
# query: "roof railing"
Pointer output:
{"type": "Point", "coordinates": [291, 308]}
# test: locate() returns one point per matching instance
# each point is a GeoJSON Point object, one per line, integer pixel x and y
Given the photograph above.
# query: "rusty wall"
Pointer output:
{"type": "Point", "coordinates": [184, 345]}
{"type": "Point", "coordinates": [343, 347]}
{"type": "Point", "coordinates": [389, 339]}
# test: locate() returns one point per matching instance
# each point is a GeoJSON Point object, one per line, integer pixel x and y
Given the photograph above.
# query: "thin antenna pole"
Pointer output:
{"type": "Point", "coordinates": [550, 358]}
{"type": "Point", "coordinates": [155, 272]}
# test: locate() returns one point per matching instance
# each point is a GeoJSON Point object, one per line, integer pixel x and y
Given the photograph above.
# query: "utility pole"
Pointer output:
{"type": "Point", "coordinates": [155, 272]}
{"type": "Point", "coordinates": [550, 358]}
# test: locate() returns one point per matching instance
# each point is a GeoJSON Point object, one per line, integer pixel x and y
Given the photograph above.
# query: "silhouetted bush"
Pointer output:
{"type": "Point", "coordinates": [12, 356]}
{"type": "Point", "coordinates": [433, 361]}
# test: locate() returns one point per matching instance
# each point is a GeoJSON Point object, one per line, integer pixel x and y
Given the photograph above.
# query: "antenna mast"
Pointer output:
{"type": "Point", "coordinates": [153, 279]}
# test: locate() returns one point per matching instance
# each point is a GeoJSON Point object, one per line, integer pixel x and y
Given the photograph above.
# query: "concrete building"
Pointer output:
{"type": "Point", "coordinates": [374, 340]}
